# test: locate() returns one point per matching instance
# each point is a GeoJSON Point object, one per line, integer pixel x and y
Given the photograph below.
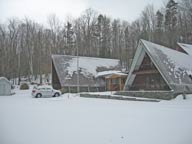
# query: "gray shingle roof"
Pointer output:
{"type": "Point", "coordinates": [66, 68]}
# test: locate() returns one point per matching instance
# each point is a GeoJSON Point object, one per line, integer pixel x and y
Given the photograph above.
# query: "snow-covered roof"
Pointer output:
{"type": "Point", "coordinates": [5, 79]}
{"type": "Point", "coordinates": [106, 73]}
{"type": "Point", "coordinates": [186, 47]}
{"type": "Point", "coordinates": [175, 67]}
{"type": "Point", "coordinates": [66, 68]}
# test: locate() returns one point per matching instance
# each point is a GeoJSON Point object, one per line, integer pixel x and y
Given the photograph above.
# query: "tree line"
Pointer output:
{"type": "Point", "coordinates": [26, 46]}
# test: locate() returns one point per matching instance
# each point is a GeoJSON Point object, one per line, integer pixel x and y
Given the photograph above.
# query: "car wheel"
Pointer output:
{"type": "Point", "coordinates": [56, 95]}
{"type": "Point", "coordinates": [38, 95]}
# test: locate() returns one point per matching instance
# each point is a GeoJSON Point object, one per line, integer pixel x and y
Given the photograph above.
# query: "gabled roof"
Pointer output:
{"type": "Point", "coordinates": [175, 67]}
{"type": "Point", "coordinates": [66, 68]}
{"type": "Point", "coordinates": [186, 47]}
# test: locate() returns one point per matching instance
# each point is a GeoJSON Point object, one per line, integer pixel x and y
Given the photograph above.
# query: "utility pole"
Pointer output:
{"type": "Point", "coordinates": [78, 90]}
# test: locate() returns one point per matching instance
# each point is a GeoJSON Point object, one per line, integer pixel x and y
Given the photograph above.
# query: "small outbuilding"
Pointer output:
{"type": "Point", "coordinates": [114, 80]}
{"type": "Point", "coordinates": [5, 86]}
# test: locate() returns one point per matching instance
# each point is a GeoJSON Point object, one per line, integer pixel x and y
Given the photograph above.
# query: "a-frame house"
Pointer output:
{"type": "Point", "coordinates": [157, 68]}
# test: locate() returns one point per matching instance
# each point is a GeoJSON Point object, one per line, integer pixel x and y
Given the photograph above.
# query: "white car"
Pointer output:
{"type": "Point", "coordinates": [45, 91]}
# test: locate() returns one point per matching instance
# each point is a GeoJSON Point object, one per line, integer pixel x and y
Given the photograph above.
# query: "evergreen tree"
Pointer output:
{"type": "Point", "coordinates": [159, 16]}
{"type": "Point", "coordinates": [159, 28]}
{"type": "Point", "coordinates": [171, 14]}
{"type": "Point", "coordinates": [69, 38]}
{"type": "Point", "coordinates": [104, 35]}
{"type": "Point", "coordinates": [171, 22]}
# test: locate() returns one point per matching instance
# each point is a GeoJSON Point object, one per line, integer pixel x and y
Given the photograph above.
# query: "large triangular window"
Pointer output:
{"type": "Point", "coordinates": [148, 77]}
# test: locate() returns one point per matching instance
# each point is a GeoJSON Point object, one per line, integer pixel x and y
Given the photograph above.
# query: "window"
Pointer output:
{"type": "Point", "coordinates": [115, 81]}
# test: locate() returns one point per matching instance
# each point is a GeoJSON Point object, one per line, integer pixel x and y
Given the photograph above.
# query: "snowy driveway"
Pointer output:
{"type": "Point", "coordinates": [75, 120]}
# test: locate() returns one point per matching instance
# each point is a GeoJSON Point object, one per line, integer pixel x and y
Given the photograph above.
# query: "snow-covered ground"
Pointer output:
{"type": "Point", "coordinates": [70, 119]}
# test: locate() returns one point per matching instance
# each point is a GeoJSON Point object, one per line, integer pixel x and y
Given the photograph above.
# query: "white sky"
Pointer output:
{"type": "Point", "coordinates": [39, 10]}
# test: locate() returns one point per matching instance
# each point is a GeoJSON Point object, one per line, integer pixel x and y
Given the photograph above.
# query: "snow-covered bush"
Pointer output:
{"type": "Point", "coordinates": [24, 86]}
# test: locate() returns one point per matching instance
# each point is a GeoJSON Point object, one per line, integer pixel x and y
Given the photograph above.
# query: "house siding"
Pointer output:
{"type": "Point", "coordinates": [5, 87]}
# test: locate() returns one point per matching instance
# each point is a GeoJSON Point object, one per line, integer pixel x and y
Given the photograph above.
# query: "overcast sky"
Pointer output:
{"type": "Point", "coordinates": [39, 10]}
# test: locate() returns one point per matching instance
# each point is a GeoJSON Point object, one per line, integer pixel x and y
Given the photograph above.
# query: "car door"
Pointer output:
{"type": "Point", "coordinates": [49, 92]}
{"type": "Point", "coordinates": [43, 92]}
